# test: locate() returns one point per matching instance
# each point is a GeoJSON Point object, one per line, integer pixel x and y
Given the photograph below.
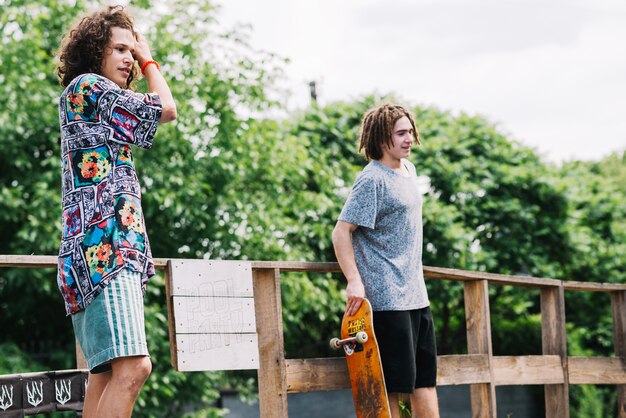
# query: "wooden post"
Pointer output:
{"type": "Point", "coordinates": [618, 303]}
{"type": "Point", "coordinates": [269, 324]}
{"type": "Point", "coordinates": [478, 325]}
{"type": "Point", "coordinates": [554, 341]}
{"type": "Point", "coordinates": [171, 320]}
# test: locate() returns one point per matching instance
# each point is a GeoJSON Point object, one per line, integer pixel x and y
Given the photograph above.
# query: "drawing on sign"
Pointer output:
{"type": "Point", "coordinates": [213, 313]}
{"type": "Point", "coordinates": [63, 389]}
{"type": "Point", "coordinates": [223, 288]}
{"type": "Point", "coordinates": [6, 397]}
{"type": "Point", "coordinates": [213, 306]}
{"type": "Point", "coordinates": [206, 342]}
{"type": "Point", "coordinates": [34, 393]}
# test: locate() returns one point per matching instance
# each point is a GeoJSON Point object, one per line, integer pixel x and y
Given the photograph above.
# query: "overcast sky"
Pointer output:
{"type": "Point", "coordinates": [550, 73]}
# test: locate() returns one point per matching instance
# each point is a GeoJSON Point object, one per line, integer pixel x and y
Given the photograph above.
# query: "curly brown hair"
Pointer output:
{"type": "Point", "coordinates": [83, 47]}
{"type": "Point", "coordinates": [377, 129]}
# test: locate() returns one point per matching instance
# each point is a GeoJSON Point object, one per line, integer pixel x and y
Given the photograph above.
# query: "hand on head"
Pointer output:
{"type": "Point", "coordinates": [142, 49]}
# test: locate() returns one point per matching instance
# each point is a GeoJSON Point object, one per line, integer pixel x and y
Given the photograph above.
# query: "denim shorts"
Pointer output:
{"type": "Point", "coordinates": [408, 351]}
{"type": "Point", "coordinates": [112, 325]}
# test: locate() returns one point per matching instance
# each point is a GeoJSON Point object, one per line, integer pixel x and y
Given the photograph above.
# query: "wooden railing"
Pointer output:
{"type": "Point", "coordinates": [479, 368]}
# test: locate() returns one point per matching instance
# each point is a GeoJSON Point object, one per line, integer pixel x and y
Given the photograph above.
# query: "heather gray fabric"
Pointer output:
{"type": "Point", "coordinates": [387, 209]}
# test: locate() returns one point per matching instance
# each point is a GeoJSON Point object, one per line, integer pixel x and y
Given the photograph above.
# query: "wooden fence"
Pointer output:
{"type": "Point", "coordinates": [479, 368]}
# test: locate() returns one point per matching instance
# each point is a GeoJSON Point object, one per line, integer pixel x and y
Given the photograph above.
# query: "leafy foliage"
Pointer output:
{"type": "Point", "coordinates": [226, 182]}
{"type": "Point", "coordinates": [184, 175]}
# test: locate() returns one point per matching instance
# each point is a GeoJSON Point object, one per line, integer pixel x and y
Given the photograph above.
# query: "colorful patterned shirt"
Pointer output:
{"type": "Point", "coordinates": [103, 224]}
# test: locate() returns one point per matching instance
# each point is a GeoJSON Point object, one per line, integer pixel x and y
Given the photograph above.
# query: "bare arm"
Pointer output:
{"type": "Point", "coordinates": [342, 242]}
{"type": "Point", "coordinates": [156, 82]}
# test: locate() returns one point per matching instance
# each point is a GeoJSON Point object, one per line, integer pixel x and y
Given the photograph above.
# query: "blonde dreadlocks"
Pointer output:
{"type": "Point", "coordinates": [377, 129]}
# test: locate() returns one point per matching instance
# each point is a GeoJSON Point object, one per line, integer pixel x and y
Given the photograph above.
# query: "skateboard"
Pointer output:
{"type": "Point", "coordinates": [363, 358]}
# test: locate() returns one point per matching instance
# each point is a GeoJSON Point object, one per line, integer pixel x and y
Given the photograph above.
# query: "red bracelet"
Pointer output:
{"type": "Point", "coordinates": [145, 64]}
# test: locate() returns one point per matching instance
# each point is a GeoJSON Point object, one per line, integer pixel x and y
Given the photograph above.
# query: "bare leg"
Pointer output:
{"type": "Point", "coordinates": [394, 404]}
{"type": "Point", "coordinates": [127, 377]}
{"type": "Point", "coordinates": [96, 383]}
{"type": "Point", "coordinates": [424, 403]}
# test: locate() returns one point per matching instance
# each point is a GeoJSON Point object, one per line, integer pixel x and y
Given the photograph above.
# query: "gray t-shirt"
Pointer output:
{"type": "Point", "coordinates": [387, 209]}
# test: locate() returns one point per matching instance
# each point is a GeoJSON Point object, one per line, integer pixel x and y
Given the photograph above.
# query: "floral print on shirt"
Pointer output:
{"type": "Point", "coordinates": [103, 224]}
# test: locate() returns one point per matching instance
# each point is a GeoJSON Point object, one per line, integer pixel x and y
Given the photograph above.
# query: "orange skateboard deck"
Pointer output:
{"type": "Point", "coordinates": [366, 373]}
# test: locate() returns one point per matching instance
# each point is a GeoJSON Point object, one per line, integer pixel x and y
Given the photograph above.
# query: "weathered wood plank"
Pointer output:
{"type": "Point", "coordinates": [50, 261]}
{"type": "Point", "coordinates": [618, 307]}
{"type": "Point", "coordinates": [463, 369]}
{"type": "Point", "coordinates": [440, 273]}
{"type": "Point", "coordinates": [309, 375]}
{"type": "Point", "coordinates": [597, 370]}
{"type": "Point", "coordinates": [308, 266]}
{"type": "Point", "coordinates": [478, 326]}
{"type": "Point", "coordinates": [593, 287]}
{"type": "Point", "coordinates": [28, 261]}
{"type": "Point", "coordinates": [314, 267]}
{"type": "Point", "coordinates": [171, 317]}
{"type": "Point", "coordinates": [527, 370]}
{"type": "Point", "coordinates": [211, 310]}
{"type": "Point", "coordinates": [201, 352]}
{"type": "Point", "coordinates": [463, 275]}
{"type": "Point", "coordinates": [317, 374]}
{"type": "Point", "coordinates": [272, 370]}
{"type": "Point", "coordinates": [211, 278]}
{"type": "Point", "coordinates": [554, 342]}
{"type": "Point", "coordinates": [211, 315]}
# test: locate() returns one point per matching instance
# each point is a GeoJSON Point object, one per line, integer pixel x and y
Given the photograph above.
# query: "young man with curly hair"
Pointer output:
{"type": "Point", "coordinates": [378, 243]}
{"type": "Point", "coordinates": [105, 259]}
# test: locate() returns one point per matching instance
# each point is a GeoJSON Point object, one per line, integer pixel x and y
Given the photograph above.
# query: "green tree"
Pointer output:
{"type": "Point", "coordinates": [30, 172]}
{"type": "Point", "coordinates": [225, 181]}
{"type": "Point", "coordinates": [219, 81]}
{"type": "Point", "coordinates": [597, 225]}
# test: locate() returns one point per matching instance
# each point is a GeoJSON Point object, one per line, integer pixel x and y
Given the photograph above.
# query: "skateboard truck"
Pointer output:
{"type": "Point", "coordinates": [360, 337]}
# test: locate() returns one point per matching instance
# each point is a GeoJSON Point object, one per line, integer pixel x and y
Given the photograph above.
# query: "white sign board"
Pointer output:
{"type": "Point", "coordinates": [213, 315]}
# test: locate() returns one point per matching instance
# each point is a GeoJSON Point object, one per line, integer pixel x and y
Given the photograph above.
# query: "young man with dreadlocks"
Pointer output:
{"type": "Point", "coordinates": [378, 243]}
{"type": "Point", "coordinates": [104, 258]}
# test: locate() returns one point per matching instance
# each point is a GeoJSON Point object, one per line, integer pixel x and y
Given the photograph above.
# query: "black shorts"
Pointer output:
{"type": "Point", "coordinates": [408, 350]}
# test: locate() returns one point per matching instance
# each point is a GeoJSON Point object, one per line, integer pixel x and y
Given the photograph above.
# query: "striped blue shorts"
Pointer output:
{"type": "Point", "coordinates": [112, 325]}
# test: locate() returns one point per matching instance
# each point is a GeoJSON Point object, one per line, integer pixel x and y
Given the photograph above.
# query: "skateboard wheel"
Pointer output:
{"type": "Point", "coordinates": [334, 344]}
{"type": "Point", "coordinates": [361, 337]}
